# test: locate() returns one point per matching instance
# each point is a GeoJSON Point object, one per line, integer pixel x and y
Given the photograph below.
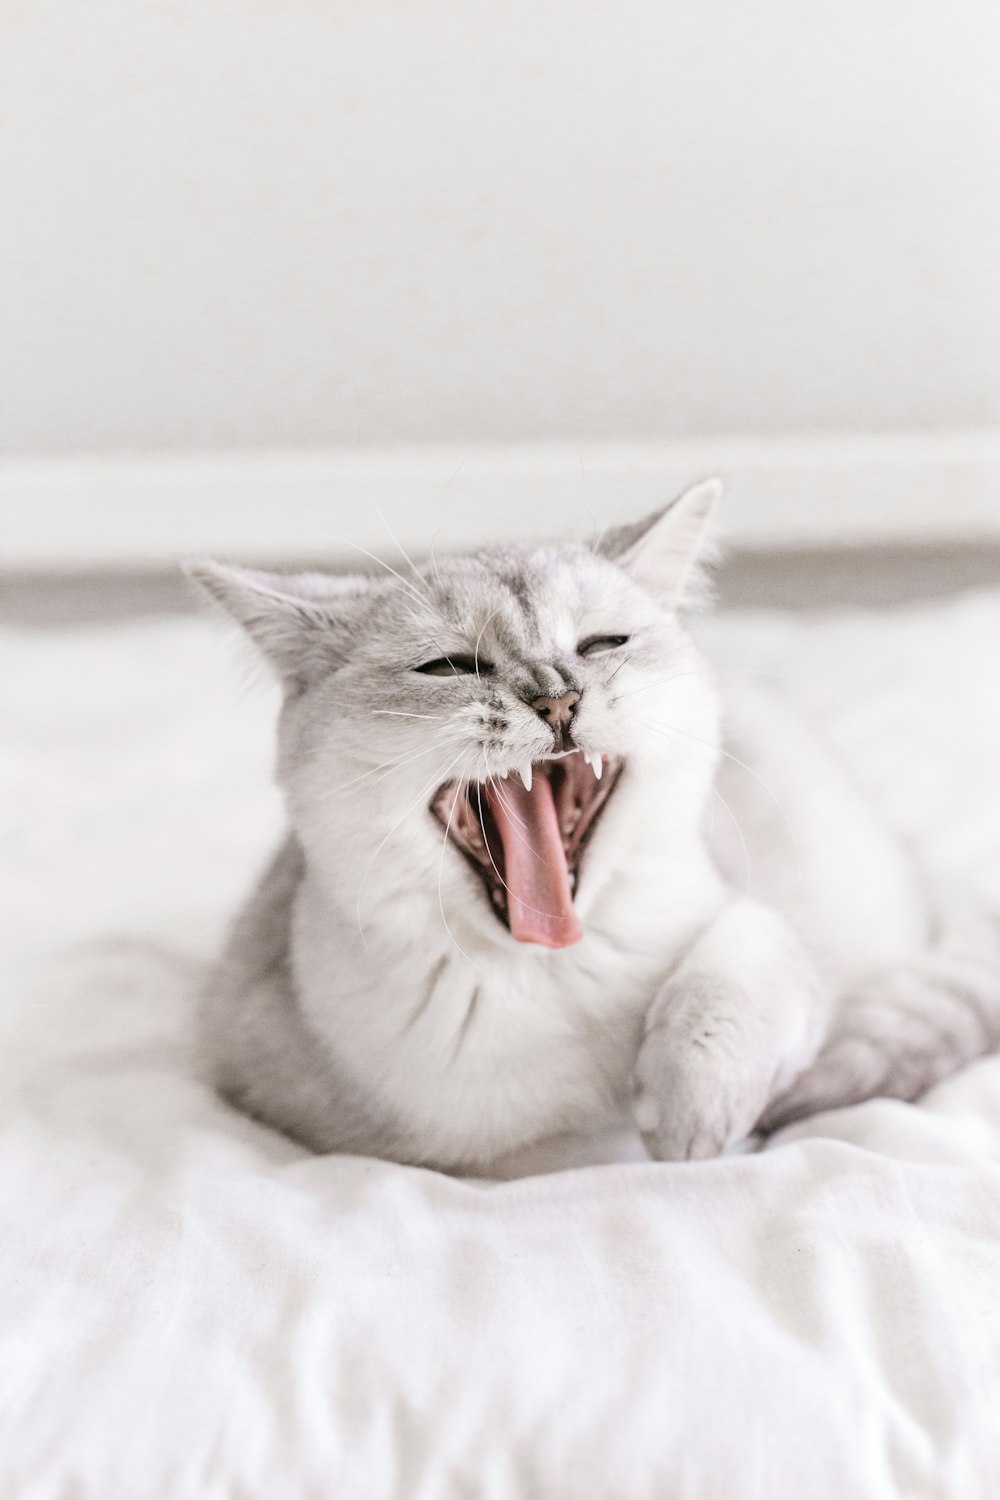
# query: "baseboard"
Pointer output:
{"type": "Point", "coordinates": [129, 511]}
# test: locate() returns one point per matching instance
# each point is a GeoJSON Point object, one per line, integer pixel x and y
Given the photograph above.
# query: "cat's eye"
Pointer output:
{"type": "Point", "coordinates": [455, 666]}
{"type": "Point", "coordinates": [597, 645]}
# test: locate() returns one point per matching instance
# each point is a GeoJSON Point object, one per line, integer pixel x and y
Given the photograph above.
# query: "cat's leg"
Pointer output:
{"type": "Point", "coordinates": [736, 1022]}
{"type": "Point", "coordinates": [900, 1032]}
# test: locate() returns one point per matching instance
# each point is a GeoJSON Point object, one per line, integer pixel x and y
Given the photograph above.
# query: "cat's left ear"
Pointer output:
{"type": "Point", "coordinates": [671, 551]}
{"type": "Point", "coordinates": [304, 623]}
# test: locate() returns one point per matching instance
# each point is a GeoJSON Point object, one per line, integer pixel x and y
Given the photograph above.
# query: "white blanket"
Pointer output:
{"type": "Point", "coordinates": [191, 1306]}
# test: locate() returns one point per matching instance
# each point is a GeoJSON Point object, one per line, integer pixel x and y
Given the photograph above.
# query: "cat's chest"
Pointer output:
{"type": "Point", "coordinates": [452, 1006]}
{"type": "Point", "coordinates": [520, 1054]}
{"type": "Point", "coordinates": [474, 1056]}
{"type": "Point", "coordinates": [473, 1047]}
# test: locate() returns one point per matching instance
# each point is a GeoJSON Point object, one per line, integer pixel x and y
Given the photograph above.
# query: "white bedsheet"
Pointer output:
{"type": "Point", "coordinates": [190, 1306]}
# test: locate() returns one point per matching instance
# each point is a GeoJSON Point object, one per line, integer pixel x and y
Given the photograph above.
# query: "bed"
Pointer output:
{"type": "Point", "coordinates": [190, 1305]}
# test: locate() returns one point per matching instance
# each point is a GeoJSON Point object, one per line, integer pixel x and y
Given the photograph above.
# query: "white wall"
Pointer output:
{"type": "Point", "coordinates": [256, 222]}
{"type": "Point", "coordinates": [291, 506]}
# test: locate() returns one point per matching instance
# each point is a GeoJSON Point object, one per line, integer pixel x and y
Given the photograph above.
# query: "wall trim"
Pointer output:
{"type": "Point", "coordinates": [141, 510]}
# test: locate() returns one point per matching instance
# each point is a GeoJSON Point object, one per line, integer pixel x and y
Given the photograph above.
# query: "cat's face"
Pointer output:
{"type": "Point", "coordinates": [472, 721]}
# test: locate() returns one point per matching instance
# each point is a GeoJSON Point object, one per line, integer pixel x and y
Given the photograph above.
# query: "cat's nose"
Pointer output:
{"type": "Point", "coordinates": [557, 711]}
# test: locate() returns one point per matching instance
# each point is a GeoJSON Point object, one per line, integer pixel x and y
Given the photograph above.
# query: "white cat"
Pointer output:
{"type": "Point", "coordinates": [501, 914]}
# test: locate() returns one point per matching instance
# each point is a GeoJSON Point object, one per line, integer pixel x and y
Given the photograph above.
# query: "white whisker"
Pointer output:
{"type": "Point", "coordinates": [444, 919]}
{"type": "Point", "coordinates": [511, 812]}
{"type": "Point", "coordinates": [662, 682]}
{"type": "Point", "coordinates": [761, 782]}
{"type": "Point", "coordinates": [739, 834]}
{"type": "Point", "coordinates": [424, 792]}
{"type": "Point", "coordinates": [398, 544]}
{"type": "Point", "coordinates": [395, 763]}
{"type": "Point", "coordinates": [662, 734]}
{"type": "Point", "coordinates": [494, 863]}
{"type": "Point", "coordinates": [346, 542]}
{"type": "Point", "coordinates": [475, 654]}
{"type": "Point", "coordinates": [399, 713]}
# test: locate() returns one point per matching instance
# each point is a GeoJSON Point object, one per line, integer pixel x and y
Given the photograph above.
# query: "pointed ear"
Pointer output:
{"type": "Point", "coordinates": [670, 552]}
{"type": "Point", "coordinates": [300, 621]}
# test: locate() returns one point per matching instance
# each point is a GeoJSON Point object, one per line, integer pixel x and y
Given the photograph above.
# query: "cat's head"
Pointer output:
{"type": "Point", "coordinates": [473, 722]}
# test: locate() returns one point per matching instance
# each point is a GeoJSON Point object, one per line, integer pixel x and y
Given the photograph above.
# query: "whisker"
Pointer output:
{"type": "Point", "coordinates": [417, 755]}
{"type": "Point", "coordinates": [434, 562]}
{"type": "Point", "coordinates": [395, 763]}
{"type": "Point", "coordinates": [761, 782]}
{"type": "Point", "coordinates": [515, 817]}
{"type": "Point", "coordinates": [662, 682]}
{"type": "Point", "coordinates": [444, 919]}
{"type": "Point", "coordinates": [494, 863]}
{"type": "Point", "coordinates": [739, 833]}
{"type": "Point", "coordinates": [623, 663]}
{"type": "Point", "coordinates": [398, 713]}
{"type": "Point", "coordinates": [425, 791]}
{"type": "Point", "coordinates": [661, 733]}
{"type": "Point", "coordinates": [423, 626]}
{"type": "Point", "coordinates": [344, 786]}
{"type": "Point", "coordinates": [398, 544]}
{"type": "Point", "coordinates": [510, 810]}
{"type": "Point", "coordinates": [475, 654]}
{"type": "Point", "coordinates": [346, 542]}
{"type": "Point", "coordinates": [736, 675]}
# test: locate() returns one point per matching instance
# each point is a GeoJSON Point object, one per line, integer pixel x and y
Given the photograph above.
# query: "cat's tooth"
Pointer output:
{"type": "Point", "coordinates": [598, 766]}
{"type": "Point", "coordinates": [526, 776]}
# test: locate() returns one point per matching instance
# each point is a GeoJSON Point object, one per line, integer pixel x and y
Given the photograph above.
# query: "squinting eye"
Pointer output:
{"type": "Point", "coordinates": [455, 666]}
{"type": "Point", "coordinates": [596, 645]}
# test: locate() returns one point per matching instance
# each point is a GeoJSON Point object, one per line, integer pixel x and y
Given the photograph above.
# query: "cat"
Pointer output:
{"type": "Point", "coordinates": [508, 907]}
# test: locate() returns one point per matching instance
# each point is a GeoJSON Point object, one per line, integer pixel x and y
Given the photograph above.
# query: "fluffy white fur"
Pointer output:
{"type": "Point", "coordinates": [371, 1001]}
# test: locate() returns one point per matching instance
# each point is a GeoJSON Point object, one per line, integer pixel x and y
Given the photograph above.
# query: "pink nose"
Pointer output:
{"type": "Point", "coordinates": [557, 711]}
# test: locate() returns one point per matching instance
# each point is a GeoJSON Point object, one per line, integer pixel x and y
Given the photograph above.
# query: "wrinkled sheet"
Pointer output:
{"type": "Point", "coordinates": [192, 1306]}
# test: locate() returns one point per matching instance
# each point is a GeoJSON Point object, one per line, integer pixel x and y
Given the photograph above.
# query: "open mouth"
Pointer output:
{"type": "Point", "coordinates": [525, 838]}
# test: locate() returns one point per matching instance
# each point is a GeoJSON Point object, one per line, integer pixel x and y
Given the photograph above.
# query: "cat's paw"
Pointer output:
{"type": "Point", "coordinates": [730, 1030]}
{"type": "Point", "coordinates": [691, 1097]}
{"type": "Point", "coordinates": [710, 1063]}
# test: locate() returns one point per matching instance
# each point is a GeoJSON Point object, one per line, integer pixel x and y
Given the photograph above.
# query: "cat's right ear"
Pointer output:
{"type": "Point", "coordinates": [670, 551]}
{"type": "Point", "coordinates": [302, 622]}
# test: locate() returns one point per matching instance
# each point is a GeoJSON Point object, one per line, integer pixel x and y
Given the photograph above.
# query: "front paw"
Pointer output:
{"type": "Point", "coordinates": [710, 1063]}
{"type": "Point", "coordinates": [730, 1030]}
{"type": "Point", "coordinates": [690, 1097]}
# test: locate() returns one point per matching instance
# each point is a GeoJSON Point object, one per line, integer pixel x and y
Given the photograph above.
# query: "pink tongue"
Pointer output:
{"type": "Point", "coordinates": [539, 899]}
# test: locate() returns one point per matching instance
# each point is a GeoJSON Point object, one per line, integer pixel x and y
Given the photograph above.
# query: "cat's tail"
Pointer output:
{"type": "Point", "coordinates": [899, 1033]}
